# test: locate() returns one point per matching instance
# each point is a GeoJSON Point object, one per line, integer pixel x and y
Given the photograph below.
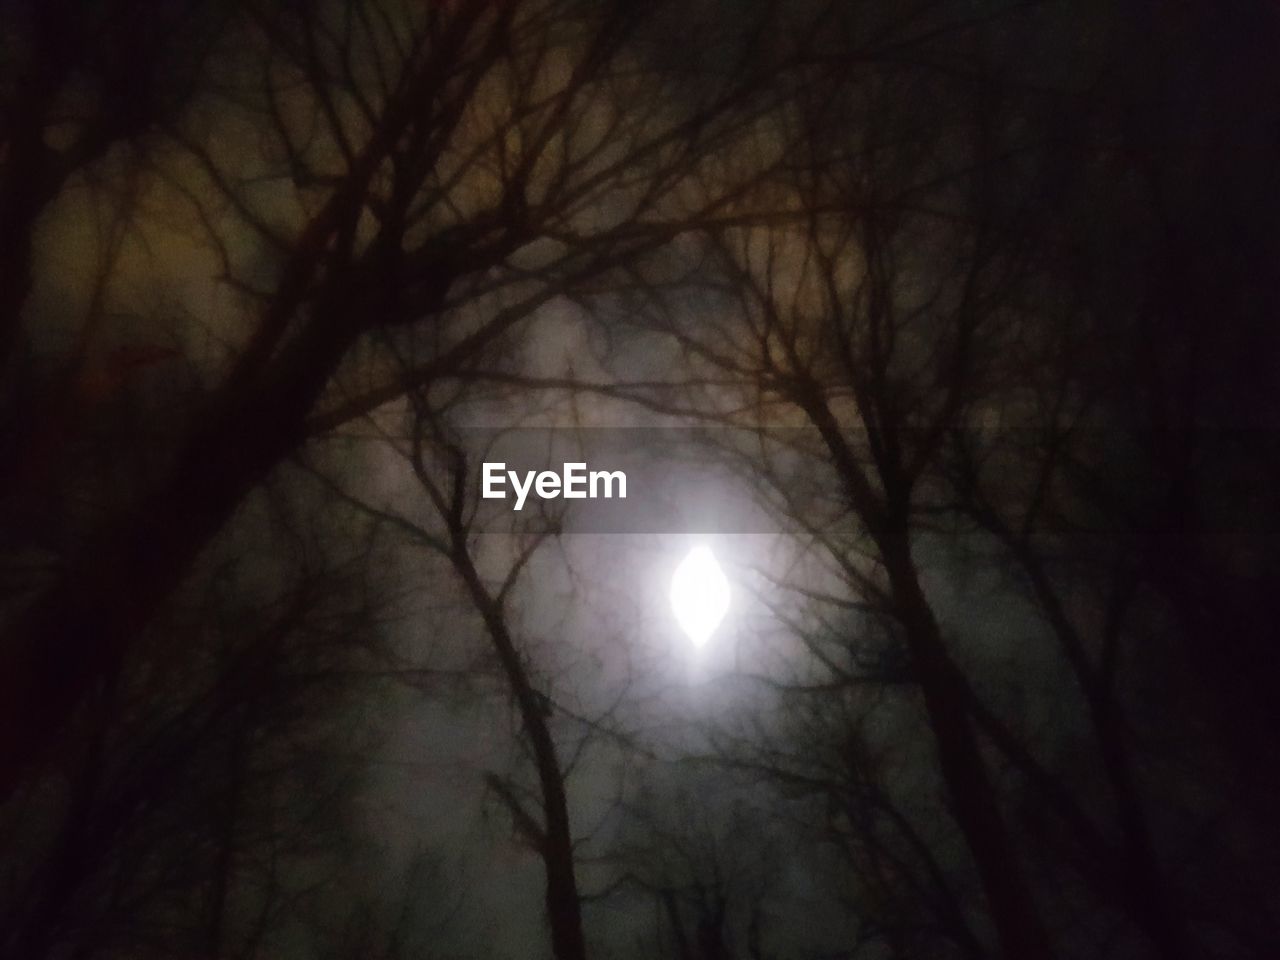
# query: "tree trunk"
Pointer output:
{"type": "Point", "coordinates": [564, 906]}
{"type": "Point", "coordinates": [80, 629]}
{"type": "Point", "coordinates": [974, 801]}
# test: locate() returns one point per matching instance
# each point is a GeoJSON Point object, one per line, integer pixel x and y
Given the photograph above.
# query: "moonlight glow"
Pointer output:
{"type": "Point", "coordinates": [699, 594]}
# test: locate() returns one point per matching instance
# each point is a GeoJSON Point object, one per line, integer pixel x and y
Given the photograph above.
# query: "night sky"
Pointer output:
{"type": "Point", "coordinates": [915, 598]}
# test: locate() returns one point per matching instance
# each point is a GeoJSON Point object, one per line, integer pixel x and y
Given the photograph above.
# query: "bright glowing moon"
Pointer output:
{"type": "Point", "coordinates": [699, 594]}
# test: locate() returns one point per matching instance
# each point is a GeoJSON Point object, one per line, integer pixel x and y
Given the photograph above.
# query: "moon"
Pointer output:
{"type": "Point", "coordinates": [699, 594]}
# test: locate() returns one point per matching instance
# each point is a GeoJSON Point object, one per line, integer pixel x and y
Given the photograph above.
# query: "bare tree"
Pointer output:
{"type": "Point", "coordinates": [908, 314]}
{"type": "Point", "coordinates": [454, 168]}
{"type": "Point", "coordinates": [707, 868]}
{"type": "Point", "coordinates": [840, 320]}
{"type": "Point", "coordinates": [206, 801]}
{"type": "Point", "coordinates": [448, 523]}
